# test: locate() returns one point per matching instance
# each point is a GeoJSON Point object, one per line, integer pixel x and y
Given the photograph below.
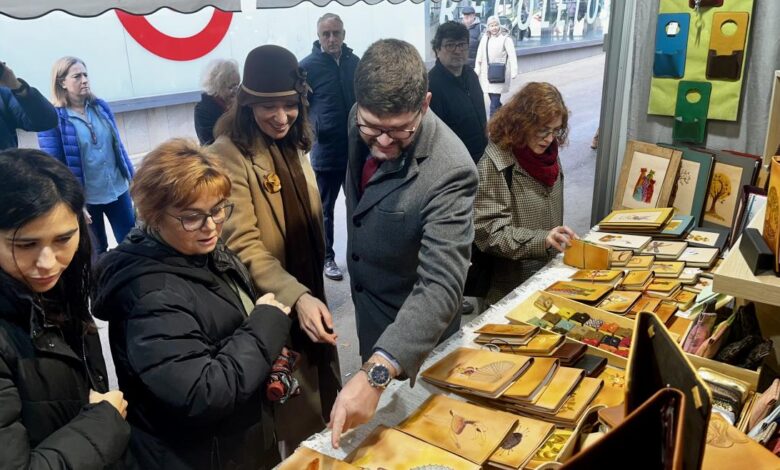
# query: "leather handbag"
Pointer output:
{"type": "Point", "coordinates": [496, 72]}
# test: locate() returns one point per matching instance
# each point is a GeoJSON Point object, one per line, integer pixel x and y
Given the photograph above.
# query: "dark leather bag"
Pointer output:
{"type": "Point", "coordinates": [496, 73]}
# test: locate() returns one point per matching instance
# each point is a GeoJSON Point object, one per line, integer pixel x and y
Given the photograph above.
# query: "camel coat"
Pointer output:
{"type": "Point", "coordinates": [500, 50]}
{"type": "Point", "coordinates": [256, 233]}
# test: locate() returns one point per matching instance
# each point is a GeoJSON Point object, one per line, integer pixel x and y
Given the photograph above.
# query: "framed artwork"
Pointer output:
{"type": "Point", "coordinates": [753, 200]}
{"type": "Point", "coordinates": [730, 173]}
{"type": "Point", "coordinates": [712, 237]}
{"type": "Point", "coordinates": [693, 179]}
{"type": "Point", "coordinates": [647, 176]}
{"type": "Point", "coordinates": [628, 217]}
{"type": "Point", "coordinates": [467, 430]}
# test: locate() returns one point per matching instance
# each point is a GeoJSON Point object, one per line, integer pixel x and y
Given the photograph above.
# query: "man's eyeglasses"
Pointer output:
{"type": "Point", "coordinates": [395, 134]}
{"type": "Point", "coordinates": [453, 46]}
{"type": "Point", "coordinates": [557, 133]}
{"type": "Point", "coordinates": [195, 222]}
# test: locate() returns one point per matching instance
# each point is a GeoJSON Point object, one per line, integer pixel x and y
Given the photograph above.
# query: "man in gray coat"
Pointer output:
{"type": "Point", "coordinates": [410, 192]}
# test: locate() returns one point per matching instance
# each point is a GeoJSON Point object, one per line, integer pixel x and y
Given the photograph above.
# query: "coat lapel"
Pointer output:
{"type": "Point", "coordinates": [389, 177]}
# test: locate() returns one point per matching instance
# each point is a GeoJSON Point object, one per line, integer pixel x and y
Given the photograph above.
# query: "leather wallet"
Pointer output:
{"type": "Point", "coordinates": [569, 353]}
{"type": "Point", "coordinates": [580, 317]}
{"type": "Point", "coordinates": [657, 362]}
{"type": "Point", "coordinates": [551, 318]}
{"type": "Point", "coordinates": [755, 250]}
{"type": "Point", "coordinates": [624, 333]}
{"type": "Point", "coordinates": [611, 340]}
{"type": "Point", "coordinates": [728, 394]}
{"type": "Point", "coordinates": [585, 255]}
{"type": "Point", "coordinates": [609, 328]}
{"type": "Point", "coordinates": [592, 365]}
{"type": "Point", "coordinates": [578, 332]}
{"type": "Point", "coordinates": [594, 323]}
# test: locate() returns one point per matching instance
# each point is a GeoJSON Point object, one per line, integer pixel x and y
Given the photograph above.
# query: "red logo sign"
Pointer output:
{"type": "Point", "coordinates": [173, 48]}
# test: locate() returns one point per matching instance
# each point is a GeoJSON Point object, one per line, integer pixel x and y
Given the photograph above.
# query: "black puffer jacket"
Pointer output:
{"type": "Point", "coordinates": [45, 376]}
{"type": "Point", "coordinates": [190, 361]}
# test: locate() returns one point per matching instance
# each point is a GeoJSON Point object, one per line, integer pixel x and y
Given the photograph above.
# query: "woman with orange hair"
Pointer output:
{"type": "Point", "coordinates": [518, 210]}
{"type": "Point", "coordinates": [192, 342]}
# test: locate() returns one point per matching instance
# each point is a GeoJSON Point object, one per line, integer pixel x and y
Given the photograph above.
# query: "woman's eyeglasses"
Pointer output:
{"type": "Point", "coordinates": [557, 133]}
{"type": "Point", "coordinates": [195, 222]}
{"type": "Point", "coordinates": [395, 134]}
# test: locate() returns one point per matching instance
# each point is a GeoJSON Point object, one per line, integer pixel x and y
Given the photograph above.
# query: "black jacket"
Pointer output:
{"type": "Point", "coordinates": [460, 103]}
{"type": "Point", "coordinates": [187, 357]}
{"type": "Point", "coordinates": [207, 112]}
{"type": "Point", "coordinates": [45, 376]}
{"type": "Point", "coordinates": [475, 34]}
{"type": "Point", "coordinates": [331, 98]}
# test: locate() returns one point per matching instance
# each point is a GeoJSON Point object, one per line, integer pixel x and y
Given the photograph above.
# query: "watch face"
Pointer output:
{"type": "Point", "coordinates": [380, 375]}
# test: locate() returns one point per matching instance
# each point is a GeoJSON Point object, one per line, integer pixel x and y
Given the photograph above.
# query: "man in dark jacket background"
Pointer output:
{"type": "Point", "coordinates": [476, 28]}
{"type": "Point", "coordinates": [21, 107]}
{"type": "Point", "coordinates": [331, 73]}
{"type": "Point", "coordinates": [457, 97]}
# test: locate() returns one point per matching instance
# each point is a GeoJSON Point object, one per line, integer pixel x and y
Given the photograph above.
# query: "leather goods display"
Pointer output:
{"type": "Point", "coordinates": [585, 255]}
{"type": "Point", "coordinates": [728, 394]}
{"type": "Point", "coordinates": [656, 362]}
{"type": "Point", "coordinates": [671, 45]}
{"type": "Point", "coordinates": [651, 437]}
{"type": "Point", "coordinates": [727, 45]}
{"type": "Point", "coordinates": [690, 114]}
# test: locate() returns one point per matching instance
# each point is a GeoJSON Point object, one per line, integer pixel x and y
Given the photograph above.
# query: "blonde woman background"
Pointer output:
{"type": "Point", "coordinates": [495, 48]}
{"type": "Point", "coordinates": [220, 85]}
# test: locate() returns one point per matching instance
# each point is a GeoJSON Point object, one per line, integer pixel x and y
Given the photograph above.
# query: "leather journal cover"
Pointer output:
{"type": "Point", "coordinates": [585, 255]}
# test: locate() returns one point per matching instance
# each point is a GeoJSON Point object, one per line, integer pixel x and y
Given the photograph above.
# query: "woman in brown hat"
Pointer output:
{"type": "Point", "coordinates": [277, 228]}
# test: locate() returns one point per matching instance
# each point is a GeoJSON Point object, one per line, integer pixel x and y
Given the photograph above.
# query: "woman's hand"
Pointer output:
{"type": "Point", "coordinates": [269, 299]}
{"type": "Point", "coordinates": [315, 319]}
{"type": "Point", "coordinates": [115, 398]}
{"type": "Point", "coordinates": [560, 238]}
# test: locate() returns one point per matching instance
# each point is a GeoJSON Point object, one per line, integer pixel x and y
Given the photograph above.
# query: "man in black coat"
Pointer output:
{"type": "Point", "coordinates": [475, 28]}
{"type": "Point", "coordinates": [457, 97]}
{"type": "Point", "coordinates": [331, 73]}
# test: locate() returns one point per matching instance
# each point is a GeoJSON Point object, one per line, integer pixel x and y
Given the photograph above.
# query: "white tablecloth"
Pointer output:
{"type": "Point", "coordinates": [400, 400]}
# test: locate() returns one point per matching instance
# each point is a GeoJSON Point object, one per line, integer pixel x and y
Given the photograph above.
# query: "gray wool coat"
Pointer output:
{"type": "Point", "coordinates": [409, 242]}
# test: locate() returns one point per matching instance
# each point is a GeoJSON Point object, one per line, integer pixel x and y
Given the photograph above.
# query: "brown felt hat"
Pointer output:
{"type": "Point", "coordinates": [271, 72]}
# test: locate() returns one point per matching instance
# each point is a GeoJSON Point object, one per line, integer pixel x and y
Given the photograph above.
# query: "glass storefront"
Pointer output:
{"type": "Point", "coordinates": [532, 23]}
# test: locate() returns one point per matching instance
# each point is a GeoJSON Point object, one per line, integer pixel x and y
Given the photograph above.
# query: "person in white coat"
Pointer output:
{"type": "Point", "coordinates": [495, 48]}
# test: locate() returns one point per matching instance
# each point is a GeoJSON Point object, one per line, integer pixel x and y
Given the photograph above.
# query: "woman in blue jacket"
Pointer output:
{"type": "Point", "coordinates": [86, 139]}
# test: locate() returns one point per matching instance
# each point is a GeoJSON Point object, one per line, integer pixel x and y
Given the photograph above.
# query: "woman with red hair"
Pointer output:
{"type": "Point", "coordinates": [518, 210]}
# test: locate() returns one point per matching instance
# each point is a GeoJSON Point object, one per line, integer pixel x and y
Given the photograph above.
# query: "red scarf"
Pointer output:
{"type": "Point", "coordinates": [544, 168]}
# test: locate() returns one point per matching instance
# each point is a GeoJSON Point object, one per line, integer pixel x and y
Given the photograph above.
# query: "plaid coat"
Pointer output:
{"type": "Point", "coordinates": [511, 224]}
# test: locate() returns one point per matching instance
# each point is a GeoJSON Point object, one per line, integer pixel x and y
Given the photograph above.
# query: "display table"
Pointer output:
{"type": "Point", "coordinates": [400, 400]}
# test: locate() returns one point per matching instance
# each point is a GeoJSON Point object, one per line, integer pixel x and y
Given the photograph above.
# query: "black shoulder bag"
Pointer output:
{"type": "Point", "coordinates": [496, 73]}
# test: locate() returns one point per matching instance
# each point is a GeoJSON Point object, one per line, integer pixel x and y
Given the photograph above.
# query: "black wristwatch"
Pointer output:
{"type": "Point", "coordinates": [22, 88]}
{"type": "Point", "coordinates": [378, 374]}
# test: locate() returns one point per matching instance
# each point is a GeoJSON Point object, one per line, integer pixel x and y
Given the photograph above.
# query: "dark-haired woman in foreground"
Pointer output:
{"type": "Point", "coordinates": [55, 408]}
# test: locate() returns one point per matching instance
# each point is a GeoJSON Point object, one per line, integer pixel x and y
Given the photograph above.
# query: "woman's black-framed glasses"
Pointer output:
{"type": "Point", "coordinates": [395, 134]}
{"type": "Point", "coordinates": [195, 222]}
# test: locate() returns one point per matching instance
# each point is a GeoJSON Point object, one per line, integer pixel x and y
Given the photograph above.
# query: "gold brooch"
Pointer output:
{"type": "Point", "coordinates": [271, 183]}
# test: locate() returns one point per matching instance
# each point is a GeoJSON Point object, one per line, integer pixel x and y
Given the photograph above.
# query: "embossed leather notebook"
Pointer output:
{"type": "Point", "coordinates": [533, 381]}
{"type": "Point", "coordinates": [470, 431]}
{"type": "Point", "coordinates": [521, 444]}
{"type": "Point", "coordinates": [558, 390]}
{"type": "Point", "coordinates": [480, 372]}
{"type": "Point", "coordinates": [584, 255]}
